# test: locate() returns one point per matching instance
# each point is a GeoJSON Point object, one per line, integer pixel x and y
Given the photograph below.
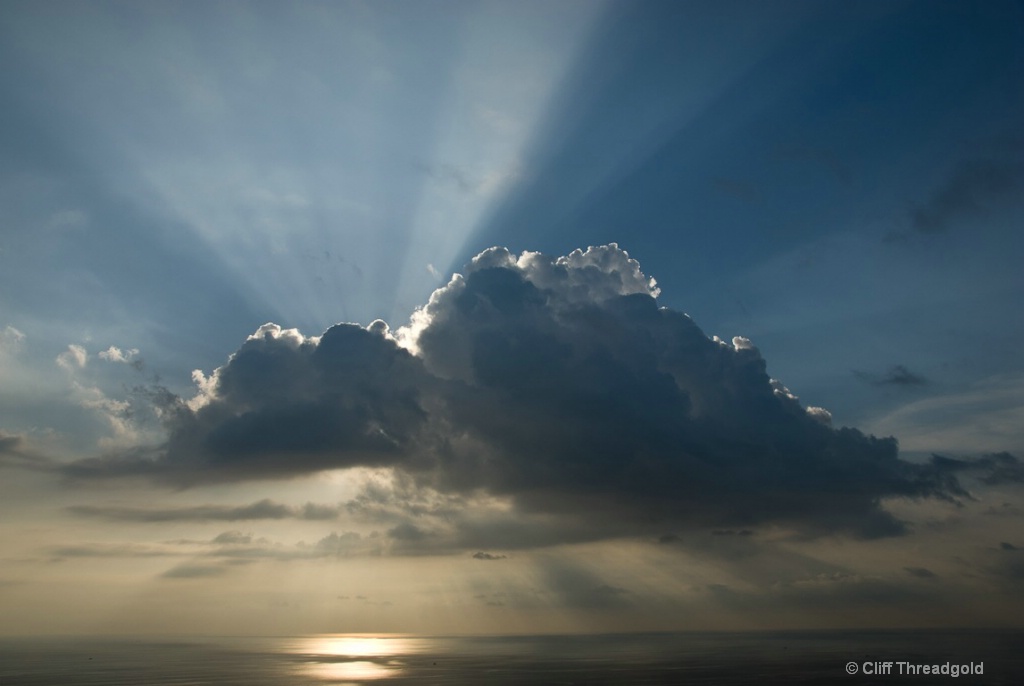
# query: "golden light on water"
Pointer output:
{"type": "Point", "coordinates": [360, 670]}
{"type": "Point", "coordinates": [372, 656]}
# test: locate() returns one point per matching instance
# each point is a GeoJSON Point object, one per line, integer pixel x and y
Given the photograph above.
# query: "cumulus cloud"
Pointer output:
{"type": "Point", "coordinates": [554, 395]}
{"type": "Point", "coordinates": [819, 414]}
{"type": "Point", "coordinates": [75, 357]}
{"type": "Point", "coordinates": [129, 357]}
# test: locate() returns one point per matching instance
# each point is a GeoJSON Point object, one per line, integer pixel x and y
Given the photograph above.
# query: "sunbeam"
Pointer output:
{"type": "Point", "coordinates": [495, 98]}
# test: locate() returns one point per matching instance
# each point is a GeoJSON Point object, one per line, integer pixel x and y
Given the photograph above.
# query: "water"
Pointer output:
{"type": "Point", "coordinates": [666, 658]}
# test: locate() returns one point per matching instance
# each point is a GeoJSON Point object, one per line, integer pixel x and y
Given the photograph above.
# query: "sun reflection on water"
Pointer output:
{"type": "Point", "coordinates": [359, 670]}
{"type": "Point", "coordinates": [354, 657]}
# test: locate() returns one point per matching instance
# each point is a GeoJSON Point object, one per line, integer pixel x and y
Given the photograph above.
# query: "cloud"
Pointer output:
{"type": "Point", "coordinates": [263, 509]}
{"type": "Point", "coordinates": [236, 547]}
{"type": "Point", "coordinates": [407, 532]}
{"type": "Point", "coordinates": [346, 543]}
{"type": "Point", "coordinates": [974, 187]}
{"type": "Point", "coordinates": [533, 400]}
{"type": "Point", "coordinates": [994, 469]}
{"type": "Point", "coordinates": [232, 538]}
{"type": "Point", "coordinates": [11, 339]}
{"type": "Point", "coordinates": [193, 572]}
{"type": "Point", "coordinates": [898, 375]}
{"type": "Point", "coordinates": [110, 550]}
{"type": "Point", "coordinates": [75, 357]}
{"type": "Point", "coordinates": [986, 417]}
{"type": "Point", "coordinates": [129, 357]}
{"type": "Point", "coordinates": [487, 556]}
{"type": "Point", "coordinates": [316, 512]}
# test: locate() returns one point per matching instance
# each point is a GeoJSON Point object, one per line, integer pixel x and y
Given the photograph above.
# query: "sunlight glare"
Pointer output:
{"type": "Point", "coordinates": [360, 645]}
{"type": "Point", "coordinates": [347, 671]}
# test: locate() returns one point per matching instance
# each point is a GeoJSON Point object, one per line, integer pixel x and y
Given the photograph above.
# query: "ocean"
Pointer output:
{"type": "Point", "coordinates": [852, 658]}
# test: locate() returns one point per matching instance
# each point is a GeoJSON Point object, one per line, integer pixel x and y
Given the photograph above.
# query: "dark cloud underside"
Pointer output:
{"type": "Point", "coordinates": [556, 383]}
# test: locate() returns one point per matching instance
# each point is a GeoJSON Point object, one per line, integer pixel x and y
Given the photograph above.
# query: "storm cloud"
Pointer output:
{"type": "Point", "coordinates": [555, 385]}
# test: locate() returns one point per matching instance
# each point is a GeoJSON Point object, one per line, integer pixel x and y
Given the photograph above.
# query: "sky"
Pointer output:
{"type": "Point", "coordinates": [510, 317]}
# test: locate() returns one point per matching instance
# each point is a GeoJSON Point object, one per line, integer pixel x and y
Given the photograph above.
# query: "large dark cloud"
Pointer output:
{"type": "Point", "coordinates": [286, 404]}
{"type": "Point", "coordinates": [556, 385]}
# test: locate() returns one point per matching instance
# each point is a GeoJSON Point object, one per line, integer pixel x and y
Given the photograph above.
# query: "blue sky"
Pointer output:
{"type": "Point", "coordinates": [839, 183]}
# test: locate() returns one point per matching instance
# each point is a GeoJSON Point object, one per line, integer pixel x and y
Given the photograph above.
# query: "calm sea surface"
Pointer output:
{"type": "Point", "coordinates": [676, 658]}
